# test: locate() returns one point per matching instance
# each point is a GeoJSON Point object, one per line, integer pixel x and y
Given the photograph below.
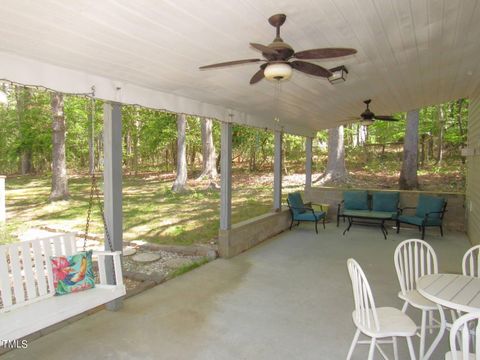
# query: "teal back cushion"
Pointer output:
{"type": "Point", "coordinates": [355, 200]}
{"type": "Point", "coordinates": [385, 201]}
{"type": "Point", "coordinates": [428, 204]}
{"type": "Point", "coordinates": [295, 201]}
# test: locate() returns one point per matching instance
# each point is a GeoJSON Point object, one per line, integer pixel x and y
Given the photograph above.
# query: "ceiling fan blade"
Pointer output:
{"type": "Point", "coordinates": [386, 118]}
{"type": "Point", "coordinates": [259, 75]}
{"type": "Point", "coordinates": [324, 53]}
{"type": "Point", "coordinates": [229, 63]}
{"type": "Point", "coordinates": [264, 49]}
{"type": "Point", "coordinates": [311, 69]}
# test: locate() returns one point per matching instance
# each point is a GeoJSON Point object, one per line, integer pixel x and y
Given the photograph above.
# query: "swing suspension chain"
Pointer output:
{"type": "Point", "coordinates": [95, 192]}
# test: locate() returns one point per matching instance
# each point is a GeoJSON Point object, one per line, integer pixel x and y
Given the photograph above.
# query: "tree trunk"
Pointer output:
{"type": "Point", "coordinates": [180, 182]}
{"type": "Point", "coordinates": [209, 169]}
{"type": "Point", "coordinates": [59, 166]}
{"type": "Point", "coordinates": [441, 125]}
{"type": "Point", "coordinates": [23, 99]}
{"type": "Point", "coordinates": [336, 170]}
{"type": "Point", "coordinates": [136, 141]}
{"type": "Point", "coordinates": [91, 139]}
{"type": "Point", "coordinates": [408, 175]}
{"type": "Point", "coordinates": [362, 134]}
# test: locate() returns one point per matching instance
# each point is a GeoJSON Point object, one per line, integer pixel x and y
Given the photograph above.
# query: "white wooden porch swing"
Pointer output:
{"type": "Point", "coordinates": [27, 294]}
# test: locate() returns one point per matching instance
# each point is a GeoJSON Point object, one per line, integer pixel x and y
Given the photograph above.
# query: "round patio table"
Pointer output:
{"type": "Point", "coordinates": [458, 292]}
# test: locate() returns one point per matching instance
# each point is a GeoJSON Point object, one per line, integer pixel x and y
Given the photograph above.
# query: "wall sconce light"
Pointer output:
{"type": "Point", "coordinates": [339, 74]}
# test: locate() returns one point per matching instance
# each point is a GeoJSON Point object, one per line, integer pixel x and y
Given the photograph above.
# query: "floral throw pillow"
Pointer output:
{"type": "Point", "coordinates": [73, 273]}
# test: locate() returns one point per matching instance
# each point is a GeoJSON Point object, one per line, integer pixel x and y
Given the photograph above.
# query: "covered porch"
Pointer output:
{"type": "Point", "coordinates": [288, 298]}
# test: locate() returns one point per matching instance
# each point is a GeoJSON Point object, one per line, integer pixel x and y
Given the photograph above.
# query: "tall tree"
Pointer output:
{"type": "Point", "coordinates": [91, 137]}
{"type": "Point", "coordinates": [181, 179]}
{"type": "Point", "coordinates": [59, 164]}
{"type": "Point", "coordinates": [441, 133]}
{"type": "Point", "coordinates": [336, 170]}
{"type": "Point", "coordinates": [408, 175]}
{"type": "Point", "coordinates": [23, 98]}
{"type": "Point", "coordinates": [209, 170]}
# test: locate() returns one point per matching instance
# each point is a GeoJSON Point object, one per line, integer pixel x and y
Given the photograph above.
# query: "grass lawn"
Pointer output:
{"type": "Point", "coordinates": [151, 211]}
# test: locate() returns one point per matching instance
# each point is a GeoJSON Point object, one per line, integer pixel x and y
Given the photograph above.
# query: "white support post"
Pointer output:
{"type": "Point", "coordinates": [3, 214]}
{"type": "Point", "coordinates": [277, 172]}
{"type": "Point", "coordinates": [226, 177]}
{"type": "Point", "coordinates": [308, 162]}
{"type": "Point", "coordinates": [112, 175]}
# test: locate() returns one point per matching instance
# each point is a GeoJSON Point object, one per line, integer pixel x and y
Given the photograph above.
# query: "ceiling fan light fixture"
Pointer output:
{"type": "Point", "coordinates": [339, 75]}
{"type": "Point", "coordinates": [278, 71]}
{"type": "Point", "coordinates": [366, 122]}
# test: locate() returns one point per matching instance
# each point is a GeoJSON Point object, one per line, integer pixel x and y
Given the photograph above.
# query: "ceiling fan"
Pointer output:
{"type": "Point", "coordinates": [368, 117]}
{"type": "Point", "coordinates": [277, 65]}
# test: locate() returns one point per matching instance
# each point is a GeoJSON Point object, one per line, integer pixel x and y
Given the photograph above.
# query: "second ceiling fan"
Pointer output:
{"type": "Point", "coordinates": [277, 55]}
{"type": "Point", "coordinates": [368, 117]}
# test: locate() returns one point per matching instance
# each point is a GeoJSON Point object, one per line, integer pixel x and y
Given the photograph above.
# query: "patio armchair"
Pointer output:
{"type": "Point", "coordinates": [303, 211]}
{"type": "Point", "coordinates": [429, 212]}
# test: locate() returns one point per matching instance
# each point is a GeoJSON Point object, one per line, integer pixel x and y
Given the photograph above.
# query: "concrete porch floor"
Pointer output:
{"type": "Point", "coordinates": [288, 298]}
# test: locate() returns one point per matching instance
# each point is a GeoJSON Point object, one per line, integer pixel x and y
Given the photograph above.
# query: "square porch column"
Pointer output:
{"type": "Point", "coordinates": [226, 177]}
{"type": "Point", "coordinates": [112, 182]}
{"type": "Point", "coordinates": [308, 162]}
{"type": "Point", "coordinates": [225, 191]}
{"type": "Point", "coordinates": [277, 172]}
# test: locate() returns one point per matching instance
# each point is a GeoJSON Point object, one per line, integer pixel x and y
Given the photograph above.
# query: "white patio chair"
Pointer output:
{"type": "Point", "coordinates": [465, 329]}
{"type": "Point", "coordinates": [470, 267]}
{"type": "Point", "coordinates": [376, 323]}
{"type": "Point", "coordinates": [414, 258]}
{"type": "Point", "coordinates": [471, 262]}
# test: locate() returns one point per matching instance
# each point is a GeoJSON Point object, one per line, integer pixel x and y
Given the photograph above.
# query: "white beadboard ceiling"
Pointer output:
{"type": "Point", "coordinates": [411, 53]}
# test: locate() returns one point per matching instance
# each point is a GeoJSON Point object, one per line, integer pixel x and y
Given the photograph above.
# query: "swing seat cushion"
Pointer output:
{"type": "Point", "coordinates": [73, 273]}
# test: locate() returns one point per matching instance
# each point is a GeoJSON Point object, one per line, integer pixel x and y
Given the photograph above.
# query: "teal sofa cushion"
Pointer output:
{"type": "Point", "coordinates": [428, 204]}
{"type": "Point", "coordinates": [296, 203]}
{"type": "Point", "coordinates": [355, 200]}
{"type": "Point", "coordinates": [385, 201]}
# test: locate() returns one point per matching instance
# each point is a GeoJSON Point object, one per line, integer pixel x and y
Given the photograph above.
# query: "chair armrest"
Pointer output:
{"type": "Point", "coordinates": [117, 266]}
{"type": "Point", "coordinates": [400, 210]}
{"type": "Point", "coordinates": [107, 253]}
{"type": "Point", "coordinates": [301, 208]}
{"type": "Point", "coordinates": [434, 212]}
{"type": "Point", "coordinates": [340, 206]}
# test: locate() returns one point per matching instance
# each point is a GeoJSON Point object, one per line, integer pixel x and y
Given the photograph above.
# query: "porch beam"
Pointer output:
{"type": "Point", "coordinates": [308, 162]}
{"type": "Point", "coordinates": [226, 177]}
{"type": "Point", "coordinates": [112, 178]}
{"type": "Point", "coordinates": [277, 172]}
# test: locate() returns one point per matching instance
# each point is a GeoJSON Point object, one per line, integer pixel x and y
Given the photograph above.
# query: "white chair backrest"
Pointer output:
{"type": "Point", "coordinates": [25, 269]}
{"type": "Point", "coordinates": [414, 258]}
{"type": "Point", "coordinates": [465, 326]}
{"type": "Point", "coordinates": [471, 263]}
{"type": "Point", "coordinates": [365, 310]}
